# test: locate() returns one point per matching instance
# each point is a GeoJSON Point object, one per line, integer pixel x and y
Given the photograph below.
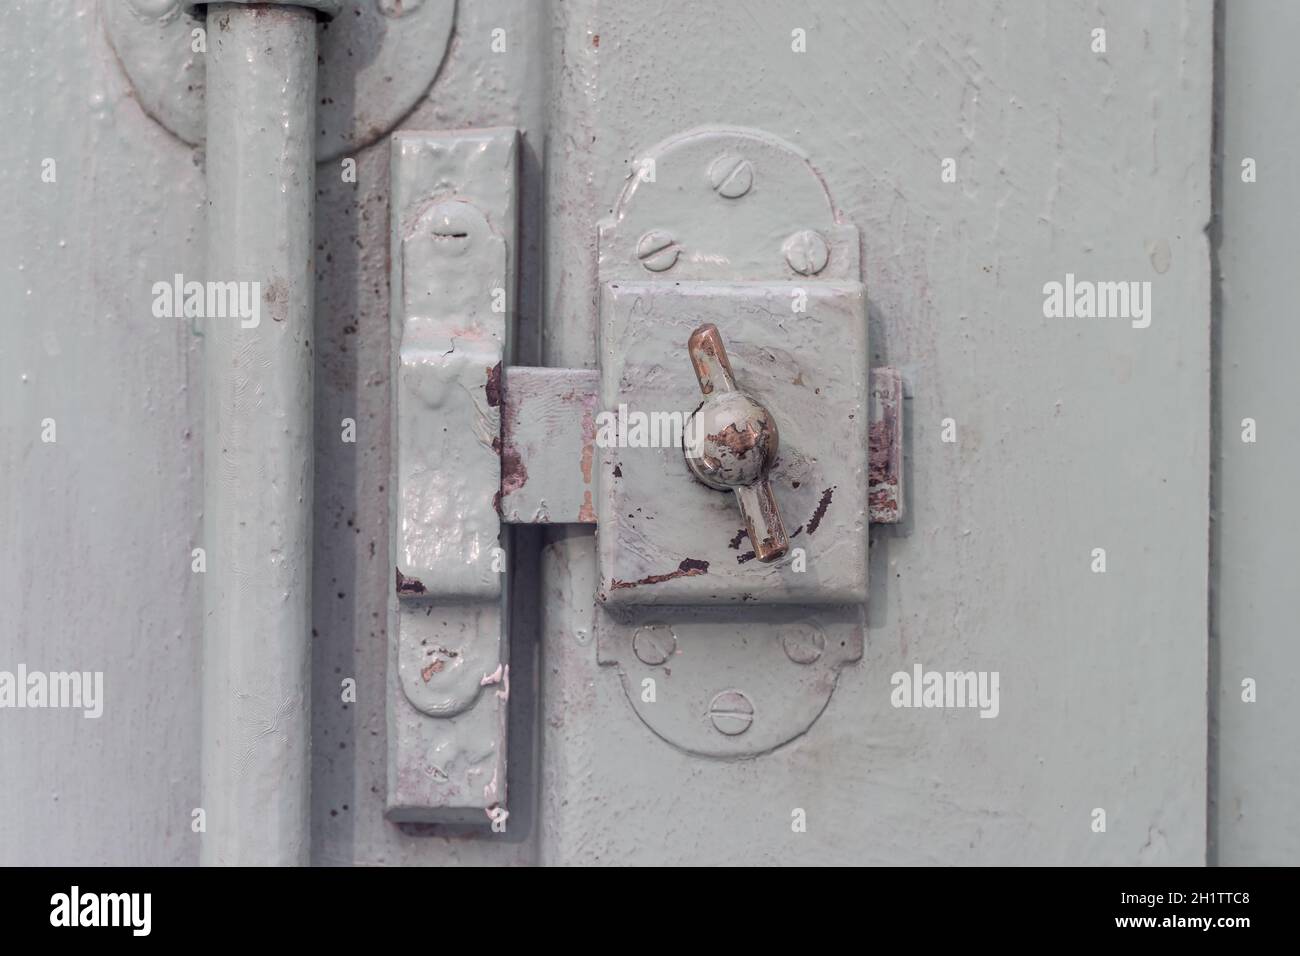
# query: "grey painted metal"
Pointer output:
{"type": "Point", "coordinates": [799, 344]}
{"type": "Point", "coordinates": [1071, 434]}
{"type": "Point", "coordinates": [1255, 755]}
{"type": "Point", "coordinates": [1062, 156]}
{"type": "Point", "coordinates": [784, 662]}
{"type": "Point", "coordinates": [327, 8]}
{"type": "Point", "coordinates": [377, 62]}
{"type": "Point", "coordinates": [454, 235]}
{"type": "Point", "coordinates": [354, 573]}
{"type": "Point", "coordinates": [667, 539]}
{"type": "Point", "coordinates": [114, 503]}
{"type": "Point", "coordinates": [548, 445]}
{"type": "Point", "coordinates": [257, 515]}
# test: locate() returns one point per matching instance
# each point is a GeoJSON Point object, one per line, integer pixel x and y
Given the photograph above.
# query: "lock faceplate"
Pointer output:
{"type": "Point", "coordinates": [732, 227]}
{"type": "Point", "coordinates": [667, 539]}
{"type": "Point", "coordinates": [778, 274]}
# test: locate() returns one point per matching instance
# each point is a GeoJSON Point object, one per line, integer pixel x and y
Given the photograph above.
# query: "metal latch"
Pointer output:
{"type": "Point", "coordinates": [726, 246]}
{"type": "Point", "coordinates": [731, 442]}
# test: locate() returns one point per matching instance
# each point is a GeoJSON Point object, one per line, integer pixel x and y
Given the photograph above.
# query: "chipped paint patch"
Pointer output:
{"type": "Point", "coordinates": [815, 521]}
{"type": "Point", "coordinates": [688, 568]}
{"type": "Point", "coordinates": [407, 585]}
{"type": "Point", "coordinates": [548, 421]}
{"type": "Point", "coordinates": [885, 470]}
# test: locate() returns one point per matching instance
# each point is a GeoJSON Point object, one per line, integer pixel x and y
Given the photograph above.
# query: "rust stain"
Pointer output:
{"type": "Point", "coordinates": [276, 297]}
{"type": "Point", "coordinates": [407, 585]}
{"type": "Point", "coordinates": [688, 568]}
{"type": "Point", "coordinates": [703, 348]}
{"type": "Point", "coordinates": [514, 474]}
{"type": "Point", "coordinates": [741, 443]}
{"type": "Point", "coordinates": [435, 667]}
{"type": "Point", "coordinates": [734, 543]}
{"type": "Point", "coordinates": [815, 521]}
{"type": "Point", "coordinates": [883, 469]}
{"type": "Point", "coordinates": [438, 664]}
{"type": "Point", "coordinates": [586, 514]}
{"type": "Point", "coordinates": [588, 442]}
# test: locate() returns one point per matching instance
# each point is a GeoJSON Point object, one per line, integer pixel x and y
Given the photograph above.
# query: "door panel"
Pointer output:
{"type": "Point", "coordinates": [1072, 434]}
{"type": "Point", "coordinates": [1031, 442]}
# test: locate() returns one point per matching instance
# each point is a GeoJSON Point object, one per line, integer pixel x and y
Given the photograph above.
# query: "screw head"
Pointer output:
{"type": "Point", "coordinates": [807, 252]}
{"type": "Point", "coordinates": [156, 9]}
{"type": "Point", "coordinates": [804, 644]}
{"type": "Point", "coordinates": [451, 225]}
{"type": "Point", "coordinates": [731, 713]}
{"type": "Point", "coordinates": [657, 250]}
{"type": "Point", "coordinates": [731, 176]}
{"type": "Point", "coordinates": [398, 8]}
{"type": "Point", "coordinates": [654, 644]}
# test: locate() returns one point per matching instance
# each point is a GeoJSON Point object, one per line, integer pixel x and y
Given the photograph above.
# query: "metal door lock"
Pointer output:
{"type": "Point", "coordinates": [731, 442]}
{"type": "Point", "coordinates": [744, 649]}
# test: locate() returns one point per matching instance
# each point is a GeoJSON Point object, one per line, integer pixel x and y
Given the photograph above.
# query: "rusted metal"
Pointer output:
{"type": "Point", "coordinates": [885, 474]}
{"type": "Point", "coordinates": [548, 446]}
{"type": "Point", "coordinates": [407, 585]}
{"type": "Point", "coordinates": [709, 355]}
{"type": "Point", "coordinates": [739, 444]}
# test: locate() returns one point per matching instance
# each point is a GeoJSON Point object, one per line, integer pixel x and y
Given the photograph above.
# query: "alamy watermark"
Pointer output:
{"type": "Point", "coordinates": [630, 428]}
{"type": "Point", "coordinates": [208, 300]}
{"type": "Point", "coordinates": [76, 690]}
{"type": "Point", "coordinates": [941, 689]}
{"type": "Point", "coordinates": [75, 908]}
{"type": "Point", "coordinates": [1085, 299]}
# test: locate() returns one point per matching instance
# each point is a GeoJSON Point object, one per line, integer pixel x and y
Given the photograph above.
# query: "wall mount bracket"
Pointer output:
{"type": "Point", "coordinates": [378, 59]}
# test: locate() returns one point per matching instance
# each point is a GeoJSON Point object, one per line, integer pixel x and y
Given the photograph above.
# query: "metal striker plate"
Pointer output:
{"type": "Point", "coordinates": [378, 58]}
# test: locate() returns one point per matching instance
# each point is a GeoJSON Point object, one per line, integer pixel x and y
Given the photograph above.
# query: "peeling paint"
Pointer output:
{"type": "Point", "coordinates": [407, 585]}
{"type": "Point", "coordinates": [820, 513]}
{"type": "Point", "coordinates": [688, 568]}
{"type": "Point", "coordinates": [885, 469]}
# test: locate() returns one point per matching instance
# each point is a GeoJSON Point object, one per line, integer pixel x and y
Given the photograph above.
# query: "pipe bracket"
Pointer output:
{"type": "Point", "coordinates": [378, 59]}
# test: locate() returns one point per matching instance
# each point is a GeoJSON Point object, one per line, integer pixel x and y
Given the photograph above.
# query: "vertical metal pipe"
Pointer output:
{"type": "Point", "coordinates": [261, 96]}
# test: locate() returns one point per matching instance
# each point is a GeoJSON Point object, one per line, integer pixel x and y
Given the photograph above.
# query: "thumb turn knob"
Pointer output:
{"type": "Point", "coordinates": [731, 442]}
